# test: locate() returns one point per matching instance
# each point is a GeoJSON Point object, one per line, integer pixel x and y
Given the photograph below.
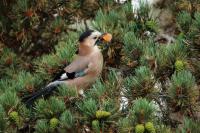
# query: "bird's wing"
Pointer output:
{"type": "Point", "coordinates": [58, 75]}
{"type": "Point", "coordinates": [79, 64]}
{"type": "Point", "coordinates": [90, 68]}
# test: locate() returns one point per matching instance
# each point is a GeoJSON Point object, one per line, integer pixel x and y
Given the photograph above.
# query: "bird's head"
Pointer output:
{"type": "Point", "coordinates": [93, 38]}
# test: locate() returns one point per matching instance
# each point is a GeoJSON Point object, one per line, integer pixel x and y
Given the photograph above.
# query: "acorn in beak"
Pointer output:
{"type": "Point", "coordinates": [107, 37]}
{"type": "Point", "coordinates": [104, 38]}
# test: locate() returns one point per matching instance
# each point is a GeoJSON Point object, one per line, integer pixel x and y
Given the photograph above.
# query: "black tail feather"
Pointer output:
{"type": "Point", "coordinates": [45, 92]}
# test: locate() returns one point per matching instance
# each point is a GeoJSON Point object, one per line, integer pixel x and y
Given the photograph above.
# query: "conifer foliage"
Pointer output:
{"type": "Point", "coordinates": [159, 82]}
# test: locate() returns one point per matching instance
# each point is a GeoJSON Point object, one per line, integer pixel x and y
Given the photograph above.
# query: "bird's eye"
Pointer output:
{"type": "Point", "coordinates": [95, 37]}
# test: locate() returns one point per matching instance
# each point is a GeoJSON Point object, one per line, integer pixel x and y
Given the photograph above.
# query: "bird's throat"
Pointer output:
{"type": "Point", "coordinates": [84, 50]}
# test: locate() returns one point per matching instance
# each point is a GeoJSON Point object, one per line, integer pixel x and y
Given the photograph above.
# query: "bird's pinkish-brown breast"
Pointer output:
{"type": "Point", "coordinates": [94, 69]}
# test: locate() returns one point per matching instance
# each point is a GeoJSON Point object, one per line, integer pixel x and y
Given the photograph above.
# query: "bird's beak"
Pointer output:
{"type": "Point", "coordinates": [104, 38]}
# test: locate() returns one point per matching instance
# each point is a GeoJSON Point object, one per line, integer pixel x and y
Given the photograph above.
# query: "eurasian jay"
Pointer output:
{"type": "Point", "coordinates": [84, 69]}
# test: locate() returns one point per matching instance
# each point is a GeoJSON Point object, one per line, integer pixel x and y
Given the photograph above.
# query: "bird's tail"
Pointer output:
{"type": "Point", "coordinates": [45, 92]}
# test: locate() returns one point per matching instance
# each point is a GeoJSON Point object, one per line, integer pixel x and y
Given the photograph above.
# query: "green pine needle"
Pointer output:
{"type": "Point", "coordinates": [67, 119]}
{"type": "Point", "coordinates": [183, 89]}
{"type": "Point", "coordinates": [9, 100]}
{"type": "Point", "coordinates": [49, 108]}
{"type": "Point", "coordinates": [139, 85]}
{"type": "Point", "coordinates": [2, 119]}
{"type": "Point", "coordinates": [184, 19]}
{"type": "Point", "coordinates": [42, 126]}
{"type": "Point", "coordinates": [67, 92]}
{"type": "Point", "coordinates": [142, 110]}
{"type": "Point", "coordinates": [88, 107]}
{"type": "Point", "coordinates": [57, 106]}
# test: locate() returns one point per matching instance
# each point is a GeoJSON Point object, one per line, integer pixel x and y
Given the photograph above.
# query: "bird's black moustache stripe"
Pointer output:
{"type": "Point", "coordinates": [98, 41]}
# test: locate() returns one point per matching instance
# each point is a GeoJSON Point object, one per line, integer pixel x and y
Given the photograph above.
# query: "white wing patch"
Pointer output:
{"type": "Point", "coordinates": [63, 76]}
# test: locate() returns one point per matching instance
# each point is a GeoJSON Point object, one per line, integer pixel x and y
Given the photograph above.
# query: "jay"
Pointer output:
{"type": "Point", "coordinates": [84, 69]}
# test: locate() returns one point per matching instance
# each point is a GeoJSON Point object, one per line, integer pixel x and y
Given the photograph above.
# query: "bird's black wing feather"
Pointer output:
{"type": "Point", "coordinates": [71, 75]}
{"type": "Point", "coordinates": [58, 75]}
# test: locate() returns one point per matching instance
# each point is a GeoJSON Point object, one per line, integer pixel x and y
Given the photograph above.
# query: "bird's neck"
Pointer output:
{"type": "Point", "coordinates": [85, 50]}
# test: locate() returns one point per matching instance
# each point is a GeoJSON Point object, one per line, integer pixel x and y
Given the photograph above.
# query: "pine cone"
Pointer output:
{"type": "Point", "coordinates": [15, 117]}
{"type": "Point", "coordinates": [102, 114]}
{"type": "Point", "coordinates": [54, 123]}
{"type": "Point", "coordinates": [150, 127]}
{"type": "Point", "coordinates": [139, 128]}
{"type": "Point", "coordinates": [179, 65]}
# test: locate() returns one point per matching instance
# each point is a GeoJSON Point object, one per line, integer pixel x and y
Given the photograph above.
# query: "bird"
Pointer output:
{"type": "Point", "coordinates": [82, 71]}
